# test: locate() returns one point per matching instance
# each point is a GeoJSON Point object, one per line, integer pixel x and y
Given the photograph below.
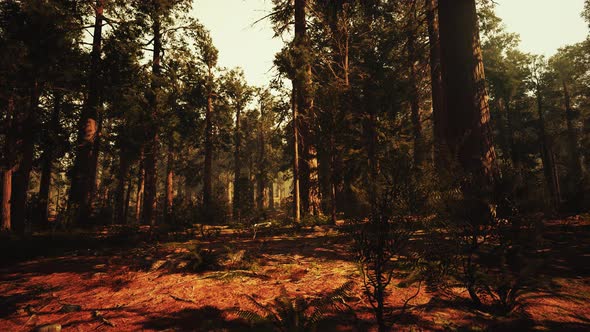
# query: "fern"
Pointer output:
{"type": "Point", "coordinates": [293, 314]}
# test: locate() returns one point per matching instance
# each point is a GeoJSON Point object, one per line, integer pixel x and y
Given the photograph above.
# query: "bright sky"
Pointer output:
{"type": "Point", "coordinates": [544, 26]}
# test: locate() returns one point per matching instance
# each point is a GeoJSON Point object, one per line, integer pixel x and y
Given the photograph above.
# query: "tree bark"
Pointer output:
{"type": "Point", "coordinates": [469, 135]}
{"type": "Point", "coordinates": [414, 94]}
{"type": "Point", "coordinates": [237, 207]}
{"type": "Point", "coordinates": [84, 171]}
{"type": "Point", "coordinates": [308, 169]}
{"type": "Point", "coordinates": [25, 147]}
{"type": "Point", "coordinates": [296, 193]}
{"type": "Point", "coordinates": [572, 137]}
{"type": "Point", "coordinates": [549, 169]}
{"type": "Point", "coordinates": [151, 151]}
{"type": "Point", "coordinates": [207, 176]}
{"type": "Point", "coordinates": [9, 154]}
{"type": "Point", "coordinates": [120, 197]}
{"type": "Point", "coordinates": [140, 190]}
{"type": "Point", "coordinates": [169, 207]}
{"type": "Point", "coordinates": [47, 160]}
{"type": "Point", "coordinates": [439, 113]}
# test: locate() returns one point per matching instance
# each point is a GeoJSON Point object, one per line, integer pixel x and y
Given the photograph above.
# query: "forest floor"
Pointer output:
{"type": "Point", "coordinates": [124, 282]}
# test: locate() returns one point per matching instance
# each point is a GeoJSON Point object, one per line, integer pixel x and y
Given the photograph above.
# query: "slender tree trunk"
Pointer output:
{"type": "Point", "coordinates": [140, 190]}
{"type": "Point", "coordinates": [296, 197]}
{"type": "Point", "coordinates": [25, 148]}
{"type": "Point", "coordinates": [574, 151]}
{"type": "Point", "coordinates": [237, 204]}
{"type": "Point", "coordinates": [169, 208]}
{"type": "Point", "coordinates": [9, 167]}
{"type": "Point", "coordinates": [271, 196]}
{"type": "Point", "coordinates": [469, 134]}
{"type": "Point", "coordinates": [151, 151]}
{"type": "Point", "coordinates": [549, 169]}
{"type": "Point", "coordinates": [261, 157]}
{"type": "Point", "coordinates": [514, 151]}
{"type": "Point", "coordinates": [414, 94]}
{"type": "Point", "coordinates": [207, 176]}
{"type": "Point", "coordinates": [120, 197]}
{"type": "Point", "coordinates": [439, 113]}
{"type": "Point", "coordinates": [47, 160]}
{"type": "Point", "coordinates": [84, 171]}
{"type": "Point", "coordinates": [127, 200]}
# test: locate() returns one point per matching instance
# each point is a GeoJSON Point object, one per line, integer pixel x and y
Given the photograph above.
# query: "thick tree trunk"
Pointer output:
{"type": "Point", "coordinates": [169, 207]}
{"type": "Point", "coordinates": [84, 171]}
{"type": "Point", "coordinates": [151, 151]}
{"type": "Point", "coordinates": [308, 169]}
{"type": "Point", "coordinates": [469, 136]}
{"type": "Point", "coordinates": [439, 113]}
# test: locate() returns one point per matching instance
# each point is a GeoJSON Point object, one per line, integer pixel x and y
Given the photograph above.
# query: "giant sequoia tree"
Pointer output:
{"type": "Point", "coordinates": [468, 128]}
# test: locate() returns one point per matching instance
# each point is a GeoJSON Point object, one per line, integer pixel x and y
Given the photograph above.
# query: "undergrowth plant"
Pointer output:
{"type": "Point", "coordinates": [296, 314]}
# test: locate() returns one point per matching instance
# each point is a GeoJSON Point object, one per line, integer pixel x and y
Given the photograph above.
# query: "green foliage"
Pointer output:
{"type": "Point", "coordinates": [298, 314]}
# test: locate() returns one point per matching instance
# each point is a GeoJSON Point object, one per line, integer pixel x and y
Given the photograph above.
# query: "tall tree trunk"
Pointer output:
{"type": "Point", "coordinates": [439, 113]}
{"type": "Point", "coordinates": [237, 207]}
{"type": "Point", "coordinates": [261, 157]}
{"type": "Point", "coordinates": [25, 148]}
{"type": "Point", "coordinates": [47, 160]}
{"type": "Point", "coordinates": [207, 176]}
{"type": "Point", "coordinates": [308, 169]}
{"type": "Point", "coordinates": [547, 157]}
{"type": "Point", "coordinates": [469, 135]}
{"type": "Point", "coordinates": [120, 197]}
{"type": "Point", "coordinates": [572, 137]}
{"type": "Point", "coordinates": [514, 151]}
{"type": "Point", "coordinates": [127, 200]}
{"type": "Point", "coordinates": [169, 207]}
{"type": "Point", "coordinates": [296, 193]}
{"type": "Point", "coordinates": [151, 151]}
{"type": "Point", "coordinates": [140, 189]}
{"type": "Point", "coordinates": [9, 154]}
{"type": "Point", "coordinates": [414, 94]}
{"type": "Point", "coordinates": [84, 171]}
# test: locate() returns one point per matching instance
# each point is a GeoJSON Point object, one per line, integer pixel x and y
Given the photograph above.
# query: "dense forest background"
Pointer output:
{"type": "Point", "coordinates": [411, 138]}
{"type": "Point", "coordinates": [116, 112]}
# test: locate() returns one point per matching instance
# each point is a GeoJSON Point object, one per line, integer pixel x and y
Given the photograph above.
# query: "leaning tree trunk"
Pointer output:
{"type": "Point", "coordinates": [469, 135]}
{"type": "Point", "coordinates": [84, 171]}
{"type": "Point", "coordinates": [151, 149]}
